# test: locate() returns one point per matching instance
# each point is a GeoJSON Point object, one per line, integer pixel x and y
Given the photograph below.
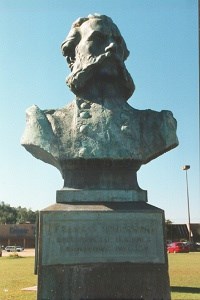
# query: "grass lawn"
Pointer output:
{"type": "Point", "coordinates": [15, 274]}
{"type": "Point", "coordinates": [184, 271]}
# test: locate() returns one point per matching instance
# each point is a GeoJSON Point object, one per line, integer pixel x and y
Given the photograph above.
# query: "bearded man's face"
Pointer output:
{"type": "Point", "coordinates": [96, 52]}
{"type": "Point", "coordinates": [100, 44]}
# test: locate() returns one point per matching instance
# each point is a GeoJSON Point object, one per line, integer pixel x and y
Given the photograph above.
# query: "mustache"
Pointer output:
{"type": "Point", "coordinates": [108, 54]}
{"type": "Point", "coordinates": [93, 61]}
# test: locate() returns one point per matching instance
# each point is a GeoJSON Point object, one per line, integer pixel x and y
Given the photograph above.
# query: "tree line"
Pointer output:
{"type": "Point", "coordinates": [21, 215]}
{"type": "Point", "coordinates": [18, 215]}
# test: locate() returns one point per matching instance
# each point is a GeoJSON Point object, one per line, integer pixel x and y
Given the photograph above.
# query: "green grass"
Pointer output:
{"type": "Point", "coordinates": [184, 271]}
{"type": "Point", "coordinates": [17, 273]}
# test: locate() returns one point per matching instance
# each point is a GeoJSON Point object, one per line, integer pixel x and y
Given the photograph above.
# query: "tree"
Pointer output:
{"type": "Point", "coordinates": [8, 214]}
{"type": "Point", "coordinates": [24, 215]}
{"type": "Point", "coordinates": [167, 222]}
{"type": "Point", "coordinates": [12, 215]}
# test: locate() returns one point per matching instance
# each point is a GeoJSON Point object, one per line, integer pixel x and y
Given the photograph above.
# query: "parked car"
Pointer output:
{"type": "Point", "coordinates": [14, 248]}
{"type": "Point", "coordinates": [194, 247]}
{"type": "Point", "coordinates": [178, 247]}
{"type": "Point", "coordinates": [19, 248]}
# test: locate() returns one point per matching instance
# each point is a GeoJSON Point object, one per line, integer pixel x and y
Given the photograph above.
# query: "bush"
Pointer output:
{"type": "Point", "coordinates": [14, 255]}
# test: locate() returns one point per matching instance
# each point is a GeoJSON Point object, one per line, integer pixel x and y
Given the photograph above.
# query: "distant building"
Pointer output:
{"type": "Point", "coordinates": [24, 234]}
{"type": "Point", "coordinates": [177, 232]}
{"type": "Point", "coordinates": [18, 234]}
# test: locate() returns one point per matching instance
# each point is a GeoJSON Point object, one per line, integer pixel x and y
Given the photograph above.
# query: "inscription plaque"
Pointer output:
{"type": "Point", "coordinates": [94, 237]}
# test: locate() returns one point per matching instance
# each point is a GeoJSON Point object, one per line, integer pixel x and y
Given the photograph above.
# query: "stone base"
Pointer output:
{"type": "Point", "coordinates": [124, 281]}
{"type": "Point", "coordinates": [106, 251]}
{"type": "Point", "coordinates": [73, 196]}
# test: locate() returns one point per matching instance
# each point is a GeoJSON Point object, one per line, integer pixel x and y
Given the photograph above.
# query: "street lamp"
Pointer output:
{"type": "Point", "coordinates": [185, 168]}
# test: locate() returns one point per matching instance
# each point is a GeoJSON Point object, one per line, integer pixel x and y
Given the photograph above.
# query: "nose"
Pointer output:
{"type": "Point", "coordinates": [111, 47]}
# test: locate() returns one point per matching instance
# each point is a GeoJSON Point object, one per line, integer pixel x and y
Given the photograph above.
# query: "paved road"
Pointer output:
{"type": "Point", "coordinates": [26, 252]}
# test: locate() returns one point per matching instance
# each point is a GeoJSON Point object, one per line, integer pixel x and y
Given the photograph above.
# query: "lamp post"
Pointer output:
{"type": "Point", "coordinates": [185, 168]}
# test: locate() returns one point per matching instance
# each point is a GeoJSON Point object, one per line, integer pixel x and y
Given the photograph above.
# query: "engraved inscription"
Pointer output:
{"type": "Point", "coordinates": [79, 237]}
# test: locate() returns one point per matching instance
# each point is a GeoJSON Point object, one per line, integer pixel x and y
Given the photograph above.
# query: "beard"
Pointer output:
{"type": "Point", "coordinates": [107, 67]}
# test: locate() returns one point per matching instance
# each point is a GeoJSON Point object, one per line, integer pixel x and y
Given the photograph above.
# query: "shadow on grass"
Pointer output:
{"type": "Point", "coordinates": [185, 289]}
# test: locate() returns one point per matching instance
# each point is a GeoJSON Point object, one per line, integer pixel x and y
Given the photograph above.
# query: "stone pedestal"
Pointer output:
{"type": "Point", "coordinates": [110, 250]}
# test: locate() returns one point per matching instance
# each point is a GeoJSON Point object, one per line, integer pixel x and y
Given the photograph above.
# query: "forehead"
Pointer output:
{"type": "Point", "coordinates": [106, 27]}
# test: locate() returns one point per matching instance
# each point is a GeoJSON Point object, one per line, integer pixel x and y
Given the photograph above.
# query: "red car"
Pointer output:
{"type": "Point", "coordinates": [178, 247]}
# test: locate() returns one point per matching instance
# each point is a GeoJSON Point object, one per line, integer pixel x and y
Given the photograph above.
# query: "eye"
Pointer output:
{"type": "Point", "coordinates": [97, 36]}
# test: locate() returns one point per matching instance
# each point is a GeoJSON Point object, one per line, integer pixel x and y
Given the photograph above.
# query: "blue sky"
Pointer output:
{"type": "Point", "coordinates": [162, 37]}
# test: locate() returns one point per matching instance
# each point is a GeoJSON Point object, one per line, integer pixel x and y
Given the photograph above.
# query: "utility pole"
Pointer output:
{"type": "Point", "coordinates": [186, 168]}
